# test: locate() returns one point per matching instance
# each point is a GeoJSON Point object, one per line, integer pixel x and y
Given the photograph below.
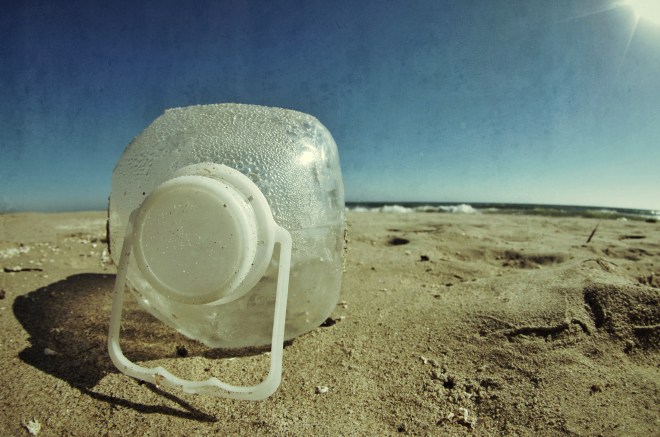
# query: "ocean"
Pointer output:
{"type": "Point", "coordinates": [508, 208]}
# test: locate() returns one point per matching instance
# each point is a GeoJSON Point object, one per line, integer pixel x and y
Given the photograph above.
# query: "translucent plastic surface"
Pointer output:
{"type": "Point", "coordinates": [293, 161]}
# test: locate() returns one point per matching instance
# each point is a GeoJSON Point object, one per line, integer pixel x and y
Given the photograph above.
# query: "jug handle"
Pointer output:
{"type": "Point", "coordinates": [212, 386]}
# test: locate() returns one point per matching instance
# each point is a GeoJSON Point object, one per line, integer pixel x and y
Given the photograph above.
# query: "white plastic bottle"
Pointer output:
{"type": "Point", "coordinates": [217, 212]}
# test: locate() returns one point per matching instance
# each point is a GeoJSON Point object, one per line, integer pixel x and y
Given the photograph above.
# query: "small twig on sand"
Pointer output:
{"type": "Point", "coordinates": [544, 331]}
{"type": "Point", "coordinates": [646, 329]}
{"type": "Point", "coordinates": [592, 233]}
{"type": "Point", "coordinates": [632, 237]}
{"type": "Point", "coordinates": [22, 269]}
{"type": "Point", "coordinates": [602, 263]}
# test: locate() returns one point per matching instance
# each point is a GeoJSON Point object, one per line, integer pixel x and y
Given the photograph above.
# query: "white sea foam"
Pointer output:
{"type": "Point", "coordinates": [532, 209]}
{"type": "Point", "coordinates": [358, 209]}
{"type": "Point", "coordinates": [459, 209]}
{"type": "Point", "coordinates": [454, 209]}
{"type": "Point", "coordinates": [395, 208]}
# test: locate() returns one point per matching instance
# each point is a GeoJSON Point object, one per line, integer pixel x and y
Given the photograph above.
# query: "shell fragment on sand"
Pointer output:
{"type": "Point", "coordinates": [33, 426]}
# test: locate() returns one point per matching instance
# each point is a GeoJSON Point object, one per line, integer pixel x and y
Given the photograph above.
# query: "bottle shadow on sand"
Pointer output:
{"type": "Point", "coordinates": [68, 321]}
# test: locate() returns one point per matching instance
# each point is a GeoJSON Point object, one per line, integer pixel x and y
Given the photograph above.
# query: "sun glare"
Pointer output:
{"type": "Point", "coordinates": [646, 9]}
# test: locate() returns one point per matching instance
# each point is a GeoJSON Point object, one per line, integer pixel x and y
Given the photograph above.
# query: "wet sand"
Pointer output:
{"type": "Point", "coordinates": [448, 324]}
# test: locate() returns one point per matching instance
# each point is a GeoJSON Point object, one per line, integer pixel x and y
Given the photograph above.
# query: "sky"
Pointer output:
{"type": "Point", "coordinates": [553, 102]}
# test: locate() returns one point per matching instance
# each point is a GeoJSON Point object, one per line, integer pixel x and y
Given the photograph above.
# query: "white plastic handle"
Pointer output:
{"type": "Point", "coordinates": [212, 386]}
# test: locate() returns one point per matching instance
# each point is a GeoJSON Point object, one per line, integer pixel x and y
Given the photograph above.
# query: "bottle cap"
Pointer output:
{"type": "Point", "coordinates": [202, 239]}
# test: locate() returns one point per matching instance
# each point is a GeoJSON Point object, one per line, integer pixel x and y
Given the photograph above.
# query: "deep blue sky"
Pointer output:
{"type": "Point", "coordinates": [503, 101]}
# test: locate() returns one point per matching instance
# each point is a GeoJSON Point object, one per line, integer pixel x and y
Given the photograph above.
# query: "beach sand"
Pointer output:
{"type": "Point", "coordinates": [480, 324]}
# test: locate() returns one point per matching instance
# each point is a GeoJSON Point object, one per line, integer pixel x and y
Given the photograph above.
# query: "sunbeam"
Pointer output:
{"type": "Point", "coordinates": [645, 9]}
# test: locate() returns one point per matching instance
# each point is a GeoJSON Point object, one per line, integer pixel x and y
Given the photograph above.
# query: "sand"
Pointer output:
{"type": "Point", "coordinates": [479, 324]}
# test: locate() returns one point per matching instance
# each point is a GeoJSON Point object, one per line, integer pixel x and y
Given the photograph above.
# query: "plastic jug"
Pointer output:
{"type": "Point", "coordinates": [226, 222]}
